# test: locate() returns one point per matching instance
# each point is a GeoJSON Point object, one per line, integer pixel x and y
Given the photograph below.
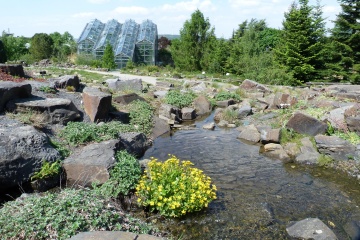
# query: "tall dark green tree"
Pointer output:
{"type": "Point", "coordinates": [196, 39]}
{"type": "Point", "coordinates": [108, 59]}
{"type": "Point", "coordinates": [301, 50]}
{"type": "Point", "coordinates": [347, 27]}
{"type": "Point", "coordinates": [3, 57]}
{"type": "Point", "coordinates": [63, 46]}
{"type": "Point", "coordinates": [41, 46]}
{"type": "Point", "coordinates": [15, 47]}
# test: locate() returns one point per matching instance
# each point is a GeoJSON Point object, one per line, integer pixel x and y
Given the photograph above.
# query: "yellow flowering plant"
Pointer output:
{"type": "Point", "coordinates": [174, 187]}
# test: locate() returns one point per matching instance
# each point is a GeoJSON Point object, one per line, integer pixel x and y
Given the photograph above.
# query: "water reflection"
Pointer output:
{"type": "Point", "coordinates": [257, 196]}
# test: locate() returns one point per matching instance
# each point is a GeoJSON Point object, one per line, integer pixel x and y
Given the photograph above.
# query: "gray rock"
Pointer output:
{"type": "Point", "coordinates": [252, 85]}
{"type": "Point", "coordinates": [170, 112]}
{"type": "Point", "coordinates": [305, 124]}
{"type": "Point", "coordinates": [125, 85]}
{"type": "Point", "coordinates": [308, 153]}
{"type": "Point", "coordinates": [353, 123]}
{"type": "Point", "coordinates": [335, 147]}
{"type": "Point", "coordinates": [188, 113]}
{"type": "Point", "coordinates": [161, 127]}
{"type": "Point", "coordinates": [200, 87]}
{"type": "Point", "coordinates": [283, 100]}
{"type": "Point", "coordinates": [202, 105]}
{"type": "Point", "coordinates": [276, 151]}
{"type": "Point", "coordinates": [134, 143]}
{"type": "Point", "coordinates": [352, 228]}
{"type": "Point", "coordinates": [218, 115]}
{"type": "Point", "coordinates": [209, 126]}
{"type": "Point", "coordinates": [112, 235]}
{"type": "Point", "coordinates": [128, 98]}
{"type": "Point", "coordinates": [223, 123]}
{"type": "Point", "coordinates": [65, 81]}
{"type": "Point", "coordinates": [310, 228]}
{"type": "Point", "coordinates": [270, 135]}
{"type": "Point", "coordinates": [292, 149]}
{"type": "Point", "coordinates": [225, 103]}
{"type": "Point", "coordinates": [22, 152]}
{"type": "Point", "coordinates": [97, 104]}
{"type": "Point", "coordinates": [250, 133]}
{"type": "Point", "coordinates": [160, 94]}
{"type": "Point", "coordinates": [244, 111]}
{"type": "Point", "coordinates": [336, 117]}
{"type": "Point", "coordinates": [12, 90]}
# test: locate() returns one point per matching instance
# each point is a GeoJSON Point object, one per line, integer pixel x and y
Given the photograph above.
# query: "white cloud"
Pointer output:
{"type": "Point", "coordinates": [98, 1]}
{"type": "Point", "coordinates": [133, 10]}
{"type": "Point", "coordinates": [244, 3]}
{"type": "Point", "coordinates": [84, 15]}
{"type": "Point", "coordinates": [331, 9]}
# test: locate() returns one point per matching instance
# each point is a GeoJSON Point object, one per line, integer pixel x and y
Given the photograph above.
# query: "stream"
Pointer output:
{"type": "Point", "coordinates": [257, 196]}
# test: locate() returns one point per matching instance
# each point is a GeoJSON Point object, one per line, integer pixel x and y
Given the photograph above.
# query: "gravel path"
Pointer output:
{"type": "Point", "coordinates": [147, 79]}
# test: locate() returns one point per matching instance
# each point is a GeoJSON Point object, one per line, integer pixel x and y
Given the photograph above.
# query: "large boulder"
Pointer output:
{"type": "Point", "coordinates": [161, 127]}
{"type": "Point", "coordinates": [202, 105]}
{"type": "Point", "coordinates": [97, 104]}
{"type": "Point", "coordinates": [310, 228]}
{"type": "Point", "coordinates": [125, 85]}
{"type": "Point", "coordinates": [270, 135]}
{"type": "Point", "coordinates": [305, 124]}
{"type": "Point", "coordinates": [53, 110]}
{"type": "Point", "coordinates": [308, 153]}
{"type": "Point", "coordinates": [22, 152]}
{"type": "Point", "coordinates": [250, 133]}
{"type": "Point", "coordinates": [134, 143]}
{"type": "Point", "coordinates": [13, 69]}
{"type": "Point", "coordinates": [65, 81]}
{"type": "Point", "coordinates": [335, 147]}
{"type": "Point", "coordinates": [275, 151]}
{"type": "Point", "coordinates": [336, 117]}
{"type": "Point", "coordinates": [252, 85]}
{"type": "Point", "coordinates": [12, 90]}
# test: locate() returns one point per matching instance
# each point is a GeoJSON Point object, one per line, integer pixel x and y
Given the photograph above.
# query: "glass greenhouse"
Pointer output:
{"type": "Point", "coordinates": [130, 41]}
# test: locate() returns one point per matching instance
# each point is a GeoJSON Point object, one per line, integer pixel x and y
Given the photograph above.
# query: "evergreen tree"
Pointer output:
{"type": "Point", "coordinates": [3, 57]}
{"type": "Point", "coordinates": [108, 59]}
{"type": "Point", "coordinates": [347, 27]}
{"type": "Point", "coordinates": [196, 39]}
{"type": "Point", "coordinates": [301, 50]}
{"type": "Point", "coordinates": [41, 46]}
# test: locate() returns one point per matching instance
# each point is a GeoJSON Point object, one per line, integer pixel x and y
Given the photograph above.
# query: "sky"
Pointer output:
{"type": "Point", "coordinates": [27, 17]}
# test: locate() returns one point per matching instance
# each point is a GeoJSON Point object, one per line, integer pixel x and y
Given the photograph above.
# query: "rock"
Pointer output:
{"type": "Point", "coordinates": [335, 147]}
{"type": "Point", "coordinates": [223, 123]}
{"type": "Point", "coordinates": [353, 123]}
{"type": "Point", "coordinates": [13, 69]}
{"type": "Point", "coordinates": [225, 103]}
{"type": "Point", "coordinates": [97, 104]}
{"type": "Point", "coordinates": [134, 143]}
{"type": "Point", "coordinates": [209, 126]}
{"type": "Point", "coordinates": [284, 100]}
{"type": "Point", "coordinates": [91, 164]}
{"type": "Point", "coordinates": [270, 135]}
{"type": "Point", "coordinates": [161, 127]}
{"type": "Point", "coordinates": [65, 81]}
{"type": "Point", "coordinates": [12, 90]}
{"type": "Point", "coordinates": [128, 98]}
{"type": "Point", "coordinates": [112, 235]}
{"type": "Point", "coordinates": [170, 112]}
{"type": "Point", "coordinates": [276, 151]}
{"type": "Point", "coordinates": [252, 85]}
{"type": "Point", "coordinates": [199, 87]}
{"type": "Point", "coordinates": [53, 110]}
{"type": "Point", "coordinates": [188, 113]}
{"type": "Point", "coordinates": [22, 152]}
{"type": "Point", "coordinates": [336, 117]}
{"type": "Point", "coordinates": [308, 153]}
{"type": "Point", "coordinates": [218, 115]}
{"type": "Point", "coordinates": [160, 94]}
{"type": "Point", "coordinates": [244, 111]}
{"type": "Point", "coordinates": [125, 85]}
{"type": "Point", "coordinates": [202, 105]}
{"type": "Point", "coordinates": [305, 124]}
{"type": "Point", "coordinates": [310, 228]}
{"type": "Point", "coordinates": [292, 149]}
{"type": "Point", "coordinates": [250, 133]}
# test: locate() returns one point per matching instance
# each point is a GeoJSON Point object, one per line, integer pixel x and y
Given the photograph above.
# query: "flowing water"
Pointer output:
{"type": "Point", "coordinates": [257, 196]}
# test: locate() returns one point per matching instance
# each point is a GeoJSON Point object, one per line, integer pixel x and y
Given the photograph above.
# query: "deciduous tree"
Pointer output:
{"type": "Point", "coordinates": [41, 46]}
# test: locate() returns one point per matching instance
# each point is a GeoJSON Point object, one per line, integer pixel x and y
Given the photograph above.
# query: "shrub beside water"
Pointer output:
{"type": "Point", "coordinates": [174, 188]}
{"type": "Point", "coordinates": [178, 99]}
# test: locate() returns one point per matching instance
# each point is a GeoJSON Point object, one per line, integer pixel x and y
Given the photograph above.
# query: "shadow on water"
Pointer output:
{"type": "Point", "coordinates": [257, 196]}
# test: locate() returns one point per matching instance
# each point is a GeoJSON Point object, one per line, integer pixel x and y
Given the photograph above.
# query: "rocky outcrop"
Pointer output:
{"type": "Point", "coordinates": [65, 81]}
{"type": "Point", "coordinates": [127, 98]}
{"type": "Point", "coordinates": [12, 90]}
{"type": "Point", "coordinates": [305, 124]}
{"type": "Point", "coordinates": [335, 147]}
{"type": "Point", "coordinates": [308, 153]}
{"type": "Point", "coordinates": [22, 152]}
{"type": "Point", "coordinates": [310, 228]}
{"type": "Point", "coordinates": [13, 69]}
{"type": "Point", "coordinates": [97, 104]}
{"type": "Point", "coordinates": [125, 85]}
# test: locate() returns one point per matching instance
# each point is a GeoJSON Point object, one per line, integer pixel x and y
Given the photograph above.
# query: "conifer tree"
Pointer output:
{"type": "Point", "coordinates": [108, 59]}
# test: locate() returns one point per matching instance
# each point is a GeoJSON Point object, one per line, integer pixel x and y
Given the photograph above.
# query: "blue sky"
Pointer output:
{"type": "Point", "coordinates": [27, 17]}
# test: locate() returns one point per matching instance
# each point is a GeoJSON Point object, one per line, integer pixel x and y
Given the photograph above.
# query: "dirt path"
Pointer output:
{"type": "Point", "coordinates": [147, 79]}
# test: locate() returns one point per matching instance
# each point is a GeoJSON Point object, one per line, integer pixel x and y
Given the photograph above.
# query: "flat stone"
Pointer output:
{"type": "Point", "coordinates": [128, 98]}
{"type": "Point", "coordinates": [276, 151]}
{"type": "Point", "coordinates": [270, 135]}
{"type": "Point", "coordinates": [125, 85]}
{"type": "Point", "coordinates": [308, 153]}
{"type": "Point", "coordinates": [12, 90]}
{"type": "Point", "coordinates": [305, 124]}
{"type": "Point", "coordinates": [250, 133]}
{"type": "Point", "coordinates": [225, 103]}
{"type": "Point", "coordinates": [335, 147]}
{"type": "Point", "coordinates": [310, 228]}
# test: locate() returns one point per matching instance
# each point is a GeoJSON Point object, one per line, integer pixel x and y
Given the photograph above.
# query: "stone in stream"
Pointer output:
{"type": "Point", "coordinates": [250, 133]}
{"type": "Point", "coordinates": [311, 229]}
{"type": "Point", "coordinates": [276, 151]}
{"type": "Point", "coordinates": [305, 124]}
{"type": "Point", "coordinates": [335, 147]}
{"type": "Point", "coordinates": [308, 153]}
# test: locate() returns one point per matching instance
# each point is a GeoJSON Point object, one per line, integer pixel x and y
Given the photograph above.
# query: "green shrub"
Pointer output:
{"type": "Point", "coordinates": [123, 177]}
{"type": "Point", "coordinates": [47, 89]}
{"type": "Point", "coordinates": [152, 68]}
{"type": "Point", "coordinates": [178, 99]}
{"type": "Point", "coordinates": [221, 96]}
{"type": "Point", "coordinates": [47, 170]}
{"type": "Point", "coordinates": [61, 148]}
{"type": "Point", "coordinates": [230, 115]}
{"type": "Point", "coordinates": [62, 215]}
{"type": "Point", "coordinates": [88, 60]}
{"type": "Point", "coordinates": [174, 188]}
{"type": "Point", "coordinates": [141, 116]}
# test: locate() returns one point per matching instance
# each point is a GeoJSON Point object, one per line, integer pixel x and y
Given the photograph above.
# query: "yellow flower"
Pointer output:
{"type": "Point", "coordinates": [159, 204]}
{"type": "Point", "coordinates": [160, 198]}
{"type": "Point", "coordinates": [151, 203]}
{"type": "Point", "coordinates": [183, 211]}
{"type": "Point", "coordinates": [139, 200]}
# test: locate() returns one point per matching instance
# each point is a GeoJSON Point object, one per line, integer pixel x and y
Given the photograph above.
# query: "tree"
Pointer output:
{"type": "Point", "coordinates": [3, 57]}
{"type": "Point", "coordinates": [15, 47]}
{"type": "Point", "coordinates": [301, 50]}
{"type": "Point", "coordinates": [196, 39]}
{"type": "Point", "coordinates": [108, 59]}
{"type": "Point", "coordinates": [347, 27]}
{"type": "Point", "coordinates": [63, 46]}
{"type": "Point", "coordinates": [41, 46]}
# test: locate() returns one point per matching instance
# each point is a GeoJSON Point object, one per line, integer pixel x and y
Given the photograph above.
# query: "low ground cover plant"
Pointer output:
{"type": "Point", "coordinates": [223, 95]}
{"type": "Point", "coordinates": [47, 170]}
{"type": "Point", "coordinates": [179, 99]}
{"type": "Point", "coordinates": [174, 188]}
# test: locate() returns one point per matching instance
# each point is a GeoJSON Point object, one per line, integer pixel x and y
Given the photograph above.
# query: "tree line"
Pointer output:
{"type": "Point", "coordinates": [302, 50]}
